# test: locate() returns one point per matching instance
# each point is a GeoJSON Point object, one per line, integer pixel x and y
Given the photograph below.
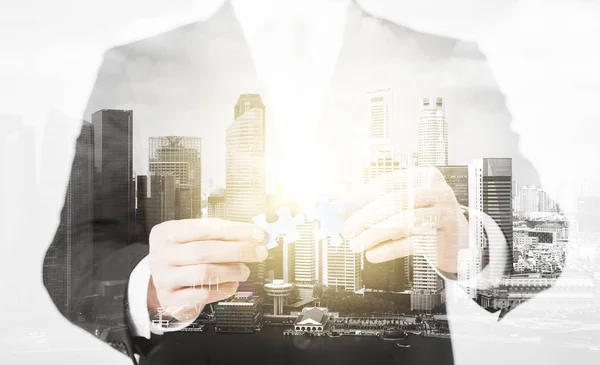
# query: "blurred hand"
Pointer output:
{"type": "Point", "coordinates": [397, 212]}
{"type": "Point", "coordinates": [194, 262]}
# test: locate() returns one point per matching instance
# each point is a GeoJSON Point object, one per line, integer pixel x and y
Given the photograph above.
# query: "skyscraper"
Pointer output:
{"type": "Point", "coordinates": [156, 200]}
{"type": "Point", "coordinates": [216, 204]}
{"type": "Point", "coordinates": [340, 266]}
{"type": "Point", "coordinates": [426, 285]}
{"type": "Point", "coordinates": [490, 185]}
{"type": "Point", "coordinates": [245, 170]}
{"type": "Point", "coordinates": [66, 264]}
{"type": "Point", "coordinates": [457, 177]}
{"type": "Point", "coordinates": [380, 117]}
{"type": "Point", "coordinates": [433, 133]}
{"type": "Point", "coordinates": [181, 157]}
{"type": "Point", "coordinates": [113, 161]}
{"type": "Point", "coordinates": [395, 275]}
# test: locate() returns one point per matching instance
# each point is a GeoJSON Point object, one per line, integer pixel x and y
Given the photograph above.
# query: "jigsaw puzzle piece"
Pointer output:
{"type": "Point", "coordinates": [330, 224]}
{"type": "Point", "coordinates": [272, 230]}
{"type": "Point", "coordinates": [289, 224]}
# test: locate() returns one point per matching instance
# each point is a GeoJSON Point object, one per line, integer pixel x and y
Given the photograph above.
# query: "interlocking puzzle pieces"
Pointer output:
{"type": "Point", "coordinates": [330, 224]}
{"type": "Point", "coordinates": [286, 226]}
{"type": "Point", "coordinates": [324, 212]}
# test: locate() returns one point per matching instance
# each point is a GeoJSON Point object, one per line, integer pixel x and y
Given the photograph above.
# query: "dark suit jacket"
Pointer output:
{"type": "Point", "coordinates": [186, 82]}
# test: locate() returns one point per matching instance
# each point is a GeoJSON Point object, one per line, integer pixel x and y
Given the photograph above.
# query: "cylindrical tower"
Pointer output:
{"type": "Point", "coordinates": [278, 289]}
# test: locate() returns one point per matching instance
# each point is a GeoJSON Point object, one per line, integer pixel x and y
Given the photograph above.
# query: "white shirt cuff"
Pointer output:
{"type": "Point", "coordinates": [139, 316]}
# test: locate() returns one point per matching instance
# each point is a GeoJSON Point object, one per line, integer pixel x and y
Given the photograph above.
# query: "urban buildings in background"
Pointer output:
{"type": "Point", "coordinates": [490, 192]}
{"type": "Point", "coordinates": [432, 133]}
{"type": "Point", "coordinates": [113, 161]}
{"type": "Point", "coordinates": [245, 170]}
{"type": "Point", "coordinates": [66, 265]}
{"type": "Point", "coordinates": [172, 190]}
{"type": "Point", "coordinates": [532, 199]}
{"type": "Point", "coordinates": [180, 157]}
{"type": "Point", "coordinates": [391, 276]}
{"type": "Point", "coordinates": [216, 204]}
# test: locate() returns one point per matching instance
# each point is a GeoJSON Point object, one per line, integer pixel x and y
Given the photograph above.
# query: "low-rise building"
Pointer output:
{"type": "Point", "coordinates": [240, 314]}
{"type": "Point", "coordinates": [313, 319]}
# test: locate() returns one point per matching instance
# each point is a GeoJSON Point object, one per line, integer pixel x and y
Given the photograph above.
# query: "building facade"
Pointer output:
{"type": "Point", "coordinates": [238, 315]}
{"type": "Point", "coordinates": [490, 192]}
{"type": "Point", "coordinates": [216, 204]}
{"type": "Point", "coordinates": [433, 133]}
{"type": "Point", "coordinates": [181, 157]}
{"type": "Point", "coordinates": [113, 162]}
{"type": "Point", "coordinates": [245, 171]}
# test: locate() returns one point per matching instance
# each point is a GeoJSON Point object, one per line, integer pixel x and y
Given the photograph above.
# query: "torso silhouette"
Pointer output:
{"type": "Point", "coordinates": [187, 81]}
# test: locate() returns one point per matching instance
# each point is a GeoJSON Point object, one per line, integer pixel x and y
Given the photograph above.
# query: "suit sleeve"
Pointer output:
{"type": "Point", "coordinates": [86, 269]}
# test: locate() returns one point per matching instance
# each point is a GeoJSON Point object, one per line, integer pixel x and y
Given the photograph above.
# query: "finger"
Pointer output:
{"type": "Point", "coordinates": [196, 276]}
{"type": "Point", "coordinates": [394, 228]}
{"type": "Point", "coordinates": [203, 229]}
{"type": "Point", "coordinates": [207, 252]}
{"type": "Point", "coordinates": [389, 251]}
{"type": "Point", "coordinates": [389, 205]}
{"type": "Point", "coordinates": [405, 179]}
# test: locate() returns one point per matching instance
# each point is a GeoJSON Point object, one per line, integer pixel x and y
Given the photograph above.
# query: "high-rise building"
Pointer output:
{"type": "Point", "coordinates": [391, 276]}
{"type": "Point", "coordinates": [340, 266]}
{"type": "Point", "coordinates": [490, 185]}
{"type": "Point", "coordinates": [181, 157]}
{"type": "Point", "coordinates": [433, 133]}
{"type": "Point", "coordinates": [216, 204]}
{"type": "Point", "coordinates": [245, 170]}
{"type": "Point", "coordinates": [156, 200]}
{"type": "Point", "coordinates": [457, 177]}
{"type": "Point", "coordinates": [427, 284]}
{"type": "Point", "coordinates": [113, 161]}
{"type": "Point", "coordinates": [305, 255]}
{"type": "Point", "coordinates": [381, 115]}
{"type": "Point", "coordinates": [394, 275]}
{"type": "Point", "coordinates": [67, 269]}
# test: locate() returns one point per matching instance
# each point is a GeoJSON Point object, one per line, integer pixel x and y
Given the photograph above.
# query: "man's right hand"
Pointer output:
{"type": "Point", "coordinates": [194, 262]}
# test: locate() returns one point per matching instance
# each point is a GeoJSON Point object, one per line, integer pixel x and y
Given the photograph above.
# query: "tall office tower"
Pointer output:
{"type": "Point", "coordinates": [427, 285]}
{"type": "Point", "coordinates": [433, 133]}
{"type": "Point", "coordinates": [340, 266]}
{"type": "Point", "coordinates": [543, 201]}
{"type": "Point", "coordinates": [184, 202]}
{"type": "Point", "coordinates": [305, 271]}
{"type": "Point", "coordinates": [113, 161]}
{"type": "Point", "coordinates": [380, 117]}
{"type": "Point", "coordinates": [245, 170]}
{"type": "Point", "coordinates": [457, 177]}
{"type": "Point", "coordinates": [216, 204]}
{"type": "Point", "coordinates": [490, 192]}
{"type": "Point", "coordinates": [306, 266]}
{"type": "Point", "coordinates": [181, 157]}
{"type": "Point", "coordinates": [67, 268]}
{"type": "Point", "coordinates": [393, 276]}
{"type": "Point", "coordinates": [156, 200]}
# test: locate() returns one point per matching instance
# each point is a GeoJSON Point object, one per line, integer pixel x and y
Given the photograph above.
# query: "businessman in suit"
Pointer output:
{"type": "Point", "coordinates": [181, 82]}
